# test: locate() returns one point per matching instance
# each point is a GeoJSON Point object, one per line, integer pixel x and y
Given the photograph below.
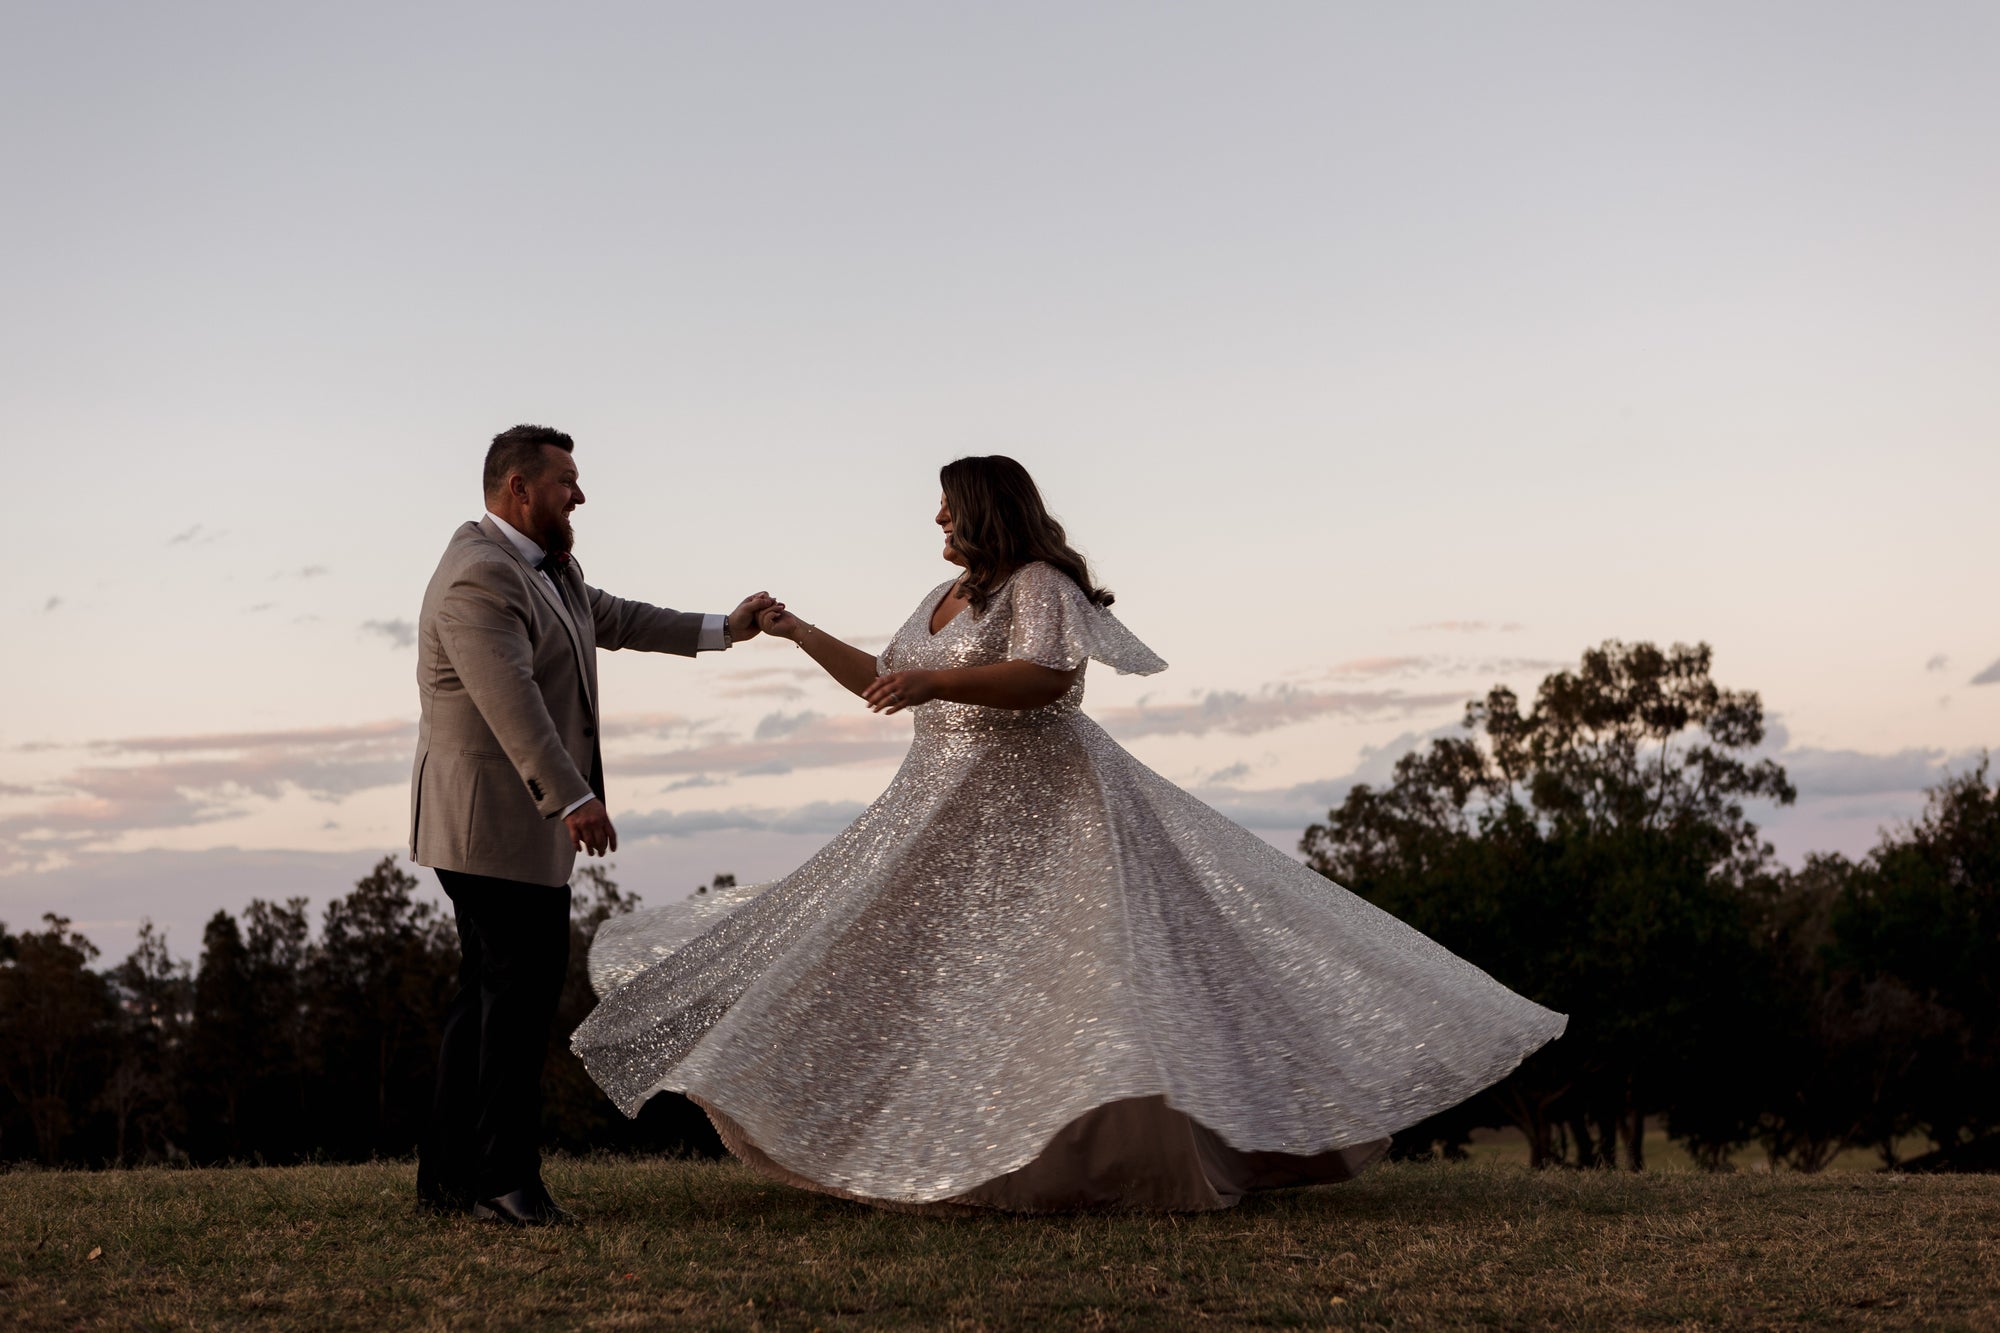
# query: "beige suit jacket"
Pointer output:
{"type": "Point", "coordinates": [507, 679]}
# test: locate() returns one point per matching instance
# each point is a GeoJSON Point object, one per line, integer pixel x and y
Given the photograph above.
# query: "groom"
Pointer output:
{"type": "Point", "coordinates": [508, 787]}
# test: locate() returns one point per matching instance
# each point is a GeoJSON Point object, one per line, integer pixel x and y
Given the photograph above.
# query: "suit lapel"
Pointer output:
{"type": "Point", "coordinates": [578, 600]}
{"type": "Point", "coordinates": [556, 603]}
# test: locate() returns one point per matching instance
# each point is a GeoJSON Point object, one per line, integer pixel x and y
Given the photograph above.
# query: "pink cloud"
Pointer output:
{"type": "Point", "coordinates": [1381, 666]}
{"type": "Point", "coordinates": [1266, 710]}
{"type": "Point", "coordinates": [201, 778]}
{"type": "Point", "coordinates": [308, 738]}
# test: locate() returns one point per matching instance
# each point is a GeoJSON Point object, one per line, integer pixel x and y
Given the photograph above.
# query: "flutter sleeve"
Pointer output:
{"type": "Point", "coordinates": [1055, 625]}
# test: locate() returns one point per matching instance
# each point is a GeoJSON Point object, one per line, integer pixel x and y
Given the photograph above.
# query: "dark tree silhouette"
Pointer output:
{"type": "Point", "coordinates": [1851, 1038]}
{"type": "Point", "coordinates": [228, 1051]}
{"type": "Point", "coordinates": [153, 1007]}
{"type": "Point", "coordinates": [382, 974]}
{"type": "Point", "coordinates": [1595, 854]}
{"type": "Point", "coordinates": [279, 1046]}
{"type": "Point", "coordinates": [55, 1025]}
{"type": "Point", "coordinates": [1917, 932]}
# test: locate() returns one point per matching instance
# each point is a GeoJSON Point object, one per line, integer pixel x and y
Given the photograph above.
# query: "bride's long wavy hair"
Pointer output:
{"type": "Point", "coordinates": [999, 523]}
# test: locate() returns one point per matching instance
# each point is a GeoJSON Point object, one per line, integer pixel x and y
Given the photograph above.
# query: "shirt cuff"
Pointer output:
{"type": "Point", "coordinates": [577, 805]}
{"type": "Point", "coordinates": [712, 639]}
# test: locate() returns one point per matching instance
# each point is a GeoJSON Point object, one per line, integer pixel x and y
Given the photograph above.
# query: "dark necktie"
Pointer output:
{"type": "Point", "coordinates": [552, 565]}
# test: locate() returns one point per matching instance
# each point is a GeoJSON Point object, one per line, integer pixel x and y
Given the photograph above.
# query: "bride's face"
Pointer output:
{"type": "Point", "coordinates": [944, 521]}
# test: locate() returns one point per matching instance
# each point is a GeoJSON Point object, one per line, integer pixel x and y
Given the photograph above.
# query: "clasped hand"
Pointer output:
{"type": "Point", "coordinates": [746, 620]}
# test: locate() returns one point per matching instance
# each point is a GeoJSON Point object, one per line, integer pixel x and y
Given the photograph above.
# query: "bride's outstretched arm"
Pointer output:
{"type": "Point", "coordinates": [844, 662]}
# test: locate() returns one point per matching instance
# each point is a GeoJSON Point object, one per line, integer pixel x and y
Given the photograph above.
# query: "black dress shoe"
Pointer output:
{"type": "Point", "coordinates": [520, 1208]}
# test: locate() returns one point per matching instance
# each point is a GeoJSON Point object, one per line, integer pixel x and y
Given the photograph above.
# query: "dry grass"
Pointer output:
{"type": "Point", "coordinates": [706, 1245]}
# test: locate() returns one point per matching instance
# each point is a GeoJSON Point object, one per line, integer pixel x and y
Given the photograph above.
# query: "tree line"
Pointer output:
{"type": "Point", "coordinates": [1592, 851]}
{"type": "Point", "coordinates": [280, 1045]}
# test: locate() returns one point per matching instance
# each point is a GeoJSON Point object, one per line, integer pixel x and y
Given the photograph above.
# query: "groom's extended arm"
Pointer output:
{"type": "Point", "coordinates": [643, 627]}
{"type": "Point", "coordinates": [657, 629]}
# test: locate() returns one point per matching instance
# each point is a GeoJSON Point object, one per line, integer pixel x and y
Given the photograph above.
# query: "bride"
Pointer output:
{"type": "Point", "coordinates": [1035, 975]}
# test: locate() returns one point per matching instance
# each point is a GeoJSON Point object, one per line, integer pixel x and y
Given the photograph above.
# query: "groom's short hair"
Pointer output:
{"type": "Point", "coordinates": [519, 449]}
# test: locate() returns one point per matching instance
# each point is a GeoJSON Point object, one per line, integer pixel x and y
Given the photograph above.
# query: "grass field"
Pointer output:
{"type": "Point", "coordinates": [707, 1245]}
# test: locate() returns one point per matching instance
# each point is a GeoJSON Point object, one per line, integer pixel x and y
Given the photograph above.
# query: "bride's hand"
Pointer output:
{"type": "Point", "coordinates": [777, 621]}
{"type": "Point", "coordinates": [899, 690]}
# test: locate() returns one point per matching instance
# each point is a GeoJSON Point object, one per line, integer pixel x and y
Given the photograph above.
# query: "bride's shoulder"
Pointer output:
{"type": "Point", "coordinates": [1039, 576]}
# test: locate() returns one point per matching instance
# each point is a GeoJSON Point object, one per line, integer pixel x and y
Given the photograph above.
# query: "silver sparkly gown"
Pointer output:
{"type": "Point", "coordinates": [1035, 975]}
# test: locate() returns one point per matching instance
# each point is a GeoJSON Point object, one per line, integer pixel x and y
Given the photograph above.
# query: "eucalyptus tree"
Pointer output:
{"type": "Point", "coordinates": [1596, 853]}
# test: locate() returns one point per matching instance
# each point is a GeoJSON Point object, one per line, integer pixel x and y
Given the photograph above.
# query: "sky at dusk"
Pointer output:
{"type": "Point", "coordinates": [1374, 354]}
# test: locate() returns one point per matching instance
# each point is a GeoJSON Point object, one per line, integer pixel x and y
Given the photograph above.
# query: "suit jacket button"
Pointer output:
{"type": "Point", "coordinates": [588, 731]}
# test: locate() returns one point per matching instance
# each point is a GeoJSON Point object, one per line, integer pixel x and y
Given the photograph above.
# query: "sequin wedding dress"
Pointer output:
{"type": "Point", "coordinates": [1035, 975]}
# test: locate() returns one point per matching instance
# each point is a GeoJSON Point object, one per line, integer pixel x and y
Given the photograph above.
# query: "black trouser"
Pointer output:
{"type": "Point", "coordinates": [486, 1119]}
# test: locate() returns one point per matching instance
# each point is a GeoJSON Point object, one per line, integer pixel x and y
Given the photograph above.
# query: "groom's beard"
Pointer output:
{"type": "Point", "coordinates": [560, 536]}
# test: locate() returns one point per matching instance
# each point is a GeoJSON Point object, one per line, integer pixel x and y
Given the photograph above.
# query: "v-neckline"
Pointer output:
{"type": "Point", "coordinates": [960, 613]}
{"type": "Point", "coordinates": [933, 610]}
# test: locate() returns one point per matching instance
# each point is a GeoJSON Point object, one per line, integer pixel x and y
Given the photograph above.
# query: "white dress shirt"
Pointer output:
{"type": "Point", "coordinates": [713, 639]}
